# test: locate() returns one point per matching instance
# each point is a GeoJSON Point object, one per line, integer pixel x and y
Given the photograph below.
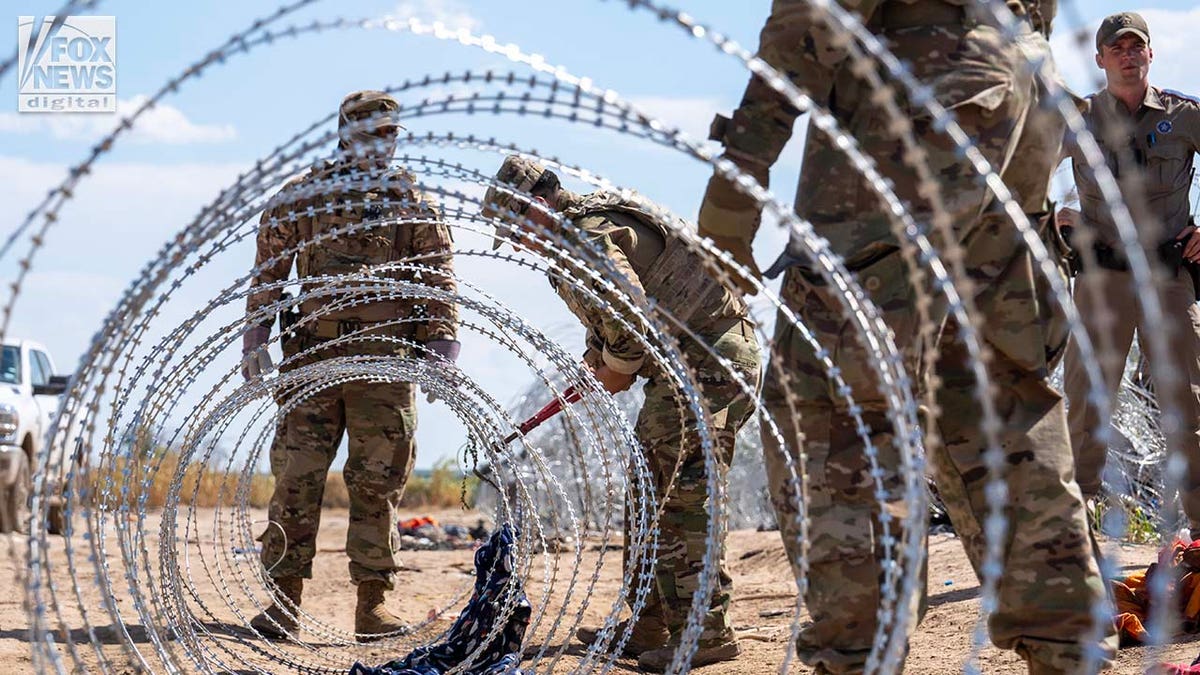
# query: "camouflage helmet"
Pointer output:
{"type": "Point", "coordinates": [372, 105]}
{"type": "Point", "coordinates": [504, 205]}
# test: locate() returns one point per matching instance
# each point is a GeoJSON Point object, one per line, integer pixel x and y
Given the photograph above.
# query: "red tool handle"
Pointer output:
{"type": "Point", "coordinates": [551, 409]}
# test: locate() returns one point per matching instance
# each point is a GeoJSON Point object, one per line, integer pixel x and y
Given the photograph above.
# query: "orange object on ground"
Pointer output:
{"type": "Point", "coordinates": [1132, 594]}
{"type": "Point", "coordinates": [414, 523]}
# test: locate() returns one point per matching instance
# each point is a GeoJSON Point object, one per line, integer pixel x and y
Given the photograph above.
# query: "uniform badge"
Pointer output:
{"type": "Point", "coordinates": [1165, 127]}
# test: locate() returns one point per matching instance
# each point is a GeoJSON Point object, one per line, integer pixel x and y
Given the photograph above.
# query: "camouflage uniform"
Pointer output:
{"type": "Point", "coordinates": [1155, 146]}
{"type": "Point", "coordinates": [1051, 576]}
{"type": "Point", "coordinates": [379, 417]}
{"type": "Point", "coordinates": [636, 239]}
{"type": "Point", "coordinates": [630, 239]}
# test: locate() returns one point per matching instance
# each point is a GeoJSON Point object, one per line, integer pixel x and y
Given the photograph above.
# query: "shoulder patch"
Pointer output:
{"type": "Point", "coordinates": [1179, 94]}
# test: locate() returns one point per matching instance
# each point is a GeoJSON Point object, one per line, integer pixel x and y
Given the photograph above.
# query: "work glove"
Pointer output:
{"type": "Point", "coordinates": [255, 359]}
{"type": "Point", "coordinates": [439, 352]}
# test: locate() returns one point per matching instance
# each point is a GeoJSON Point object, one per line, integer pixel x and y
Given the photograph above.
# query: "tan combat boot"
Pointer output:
{"type": "Point", "coordinates": [371, 618]}
{"type": "Point", "coordinates": [712, 651]}
{"type": "Point", "coordinates": [648, 633]}
{"type": "Point", "coordinates": [275, 622]}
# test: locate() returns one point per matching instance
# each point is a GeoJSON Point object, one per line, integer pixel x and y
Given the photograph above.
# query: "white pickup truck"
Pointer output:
{"type": "Point", "coordinates": [29, 397]}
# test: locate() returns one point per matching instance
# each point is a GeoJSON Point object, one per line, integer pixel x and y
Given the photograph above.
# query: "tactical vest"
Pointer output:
{"type": "Point", "coordinates": [677, 282]}
{"type": "Point", "coordinates": [357, 251]}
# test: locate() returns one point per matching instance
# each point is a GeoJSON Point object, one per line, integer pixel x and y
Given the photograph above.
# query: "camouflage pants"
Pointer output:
{"type": "Point", "coordinates": [1050, 577]}
{"type": "Point", "coordinates": [1119, 304]}
{"type": "Point", "coordinates": [278, 452]}
{"type": "Point", "coordinates": [675, 459]}
{"type": "Point", "coordinates": [380, 421]}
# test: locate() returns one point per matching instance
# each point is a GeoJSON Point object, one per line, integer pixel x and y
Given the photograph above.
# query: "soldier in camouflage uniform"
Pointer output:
{"type": "Point", "coordinates": [1051, 577]}
{"type": "Point", "coordinates": [380, 417]}
{"type": "Point", "coordinates": [637, 238]}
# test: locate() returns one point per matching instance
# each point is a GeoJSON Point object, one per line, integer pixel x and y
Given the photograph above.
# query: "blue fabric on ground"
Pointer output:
{"type": "Point", "coordinates": [494, 566]}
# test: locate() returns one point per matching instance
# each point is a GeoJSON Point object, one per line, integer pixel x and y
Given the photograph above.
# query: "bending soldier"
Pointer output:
{"type": "Point", "coordinates": [1050, 577]}
{"type": "Point", "coordinates": [397, 222]}
{"type": "Point", "coordinates": [637, 238]}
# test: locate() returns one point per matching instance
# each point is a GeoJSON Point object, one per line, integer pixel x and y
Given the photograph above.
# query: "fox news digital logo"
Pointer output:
{"type": "Point", "coordinates": [67, 64]}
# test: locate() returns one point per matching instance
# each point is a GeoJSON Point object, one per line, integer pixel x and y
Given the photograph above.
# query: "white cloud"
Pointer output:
{"type": "Point", "coordinates": [452, 13]}
{"type": "Point", "coordinates": [161, 124]}
{"type": "Point", "coordinates": [692, 115]}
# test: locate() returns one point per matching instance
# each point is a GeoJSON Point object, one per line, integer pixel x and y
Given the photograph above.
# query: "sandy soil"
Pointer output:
{"type": "Point", "coordinates": [433, 579]}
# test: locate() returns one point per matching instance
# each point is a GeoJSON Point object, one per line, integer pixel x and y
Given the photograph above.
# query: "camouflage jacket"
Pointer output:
{"type": "Point", "coordinates": [636, 238]}
{"type": "Point", "coordinates": [1156, 144]}
{"type": "Point", "coordinates": [962, 62]}
{"type": "Point", "coordinates": [362, 197]}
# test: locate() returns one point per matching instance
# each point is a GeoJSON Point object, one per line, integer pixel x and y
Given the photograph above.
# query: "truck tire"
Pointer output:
{"type": "Point", "coordinates": [14, 498]}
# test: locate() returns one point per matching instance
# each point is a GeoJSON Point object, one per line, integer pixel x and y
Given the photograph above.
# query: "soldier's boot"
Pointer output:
{"type": "Point", "coordinates": [371, 618]}
{"type": "Point", "coordinates": [648, 633]}
{"type": "Point", "coordinates": [725, 648]}
{"type": "Point", "coordinates": [275, 622]}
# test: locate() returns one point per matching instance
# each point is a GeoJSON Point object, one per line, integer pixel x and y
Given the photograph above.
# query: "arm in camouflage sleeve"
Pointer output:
{"type": "Point", "coordinates": [432, 243]}
{"type": "Point", "coordinates": [278, 231]}
{"type": "Point", "coordinates": [621, 350]}
{"type": "Point", "coordinates": [802, 47]}
{"type": "Point", "coordinates": [593, 355]}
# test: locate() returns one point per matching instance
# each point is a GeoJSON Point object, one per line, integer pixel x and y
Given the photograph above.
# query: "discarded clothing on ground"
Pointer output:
{"type": "Point", "coordinates": [1173, 669]}
{"type": "Point", "coordinates": [495, 587]}
{"type": "Point", "coordinates": [426, 534]}
{"type": "Point", "coordinates": [1181, 561]}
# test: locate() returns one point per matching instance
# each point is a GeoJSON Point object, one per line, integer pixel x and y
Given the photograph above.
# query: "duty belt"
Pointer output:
{"type": "Point", "coordinates": [1170, 255]}
{"type": "Point", "coordinates": [329, 329]}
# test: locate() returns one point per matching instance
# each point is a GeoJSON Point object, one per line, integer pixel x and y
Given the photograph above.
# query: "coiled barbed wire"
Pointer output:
{"type": "Point", "coordinates": [140, 381]}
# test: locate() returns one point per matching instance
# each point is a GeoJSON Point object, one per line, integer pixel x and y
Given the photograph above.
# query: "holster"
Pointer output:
{"type": "Point", "coordinates": [421, 325]}
{"type": "Point", "coordinates": [1060, 237]}
{"type": "Point", "coordinates": [1057, 239]}
{"type": "Point", "coordinates": [288, 316]}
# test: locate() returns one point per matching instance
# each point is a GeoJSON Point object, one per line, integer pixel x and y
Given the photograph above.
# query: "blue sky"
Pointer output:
{"type": "Point", "coordinates": [156, 181]}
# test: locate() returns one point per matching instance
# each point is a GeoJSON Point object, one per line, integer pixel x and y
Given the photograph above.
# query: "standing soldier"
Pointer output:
{"type": "Point", "coordinates": [358, 188]}
{"type": "Point", "coordinates": [1051, 576]}
{"type": "Point", "coordinates": [1149, 137]}
{"type": "Point", "coordinates": [639, 241]}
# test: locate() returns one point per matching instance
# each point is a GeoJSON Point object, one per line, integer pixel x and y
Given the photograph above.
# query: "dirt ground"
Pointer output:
{"type": "Point", "coordinates": [430, 593]}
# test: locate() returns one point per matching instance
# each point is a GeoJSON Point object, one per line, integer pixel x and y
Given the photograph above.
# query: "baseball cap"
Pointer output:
{"type": "Point", "coordinates": [1123, 23]}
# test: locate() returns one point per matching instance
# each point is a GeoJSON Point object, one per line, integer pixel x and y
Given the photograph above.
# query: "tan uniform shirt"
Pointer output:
{"type": "Point", "coordinates": [1157, 143]}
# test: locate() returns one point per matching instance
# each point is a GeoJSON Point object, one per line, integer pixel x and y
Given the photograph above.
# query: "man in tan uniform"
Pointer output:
{"type": "Point", "coordinates": [397, 222]}
{"type": "Point", "coordinates": [1050, 577]}
{"type": "Point", "coordinates": [1149, 137]}
{"type": "Point", "coordinates": [637, 238]}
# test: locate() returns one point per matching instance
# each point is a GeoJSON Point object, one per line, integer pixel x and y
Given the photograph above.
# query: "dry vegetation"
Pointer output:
{"type": "Point", "coordinates": [209, 484]}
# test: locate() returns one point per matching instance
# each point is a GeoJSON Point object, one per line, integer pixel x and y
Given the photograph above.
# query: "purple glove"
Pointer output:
{"type": "Point", "coordinates": [440, 351]}
{"type": "Point", "coordinates": [255, 360]}
{"type": "Point", "coordinates": [437, 350]}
